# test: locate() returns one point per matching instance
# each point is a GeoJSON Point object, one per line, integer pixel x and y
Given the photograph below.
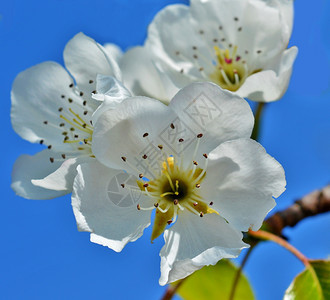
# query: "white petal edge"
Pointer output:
{"type": "Point", "coordinates": [241, 181]}
{"type": "Point", "coordinates": [62, 179]}
{"type": "Point", "coordinates": [109, 224]}
{"type": "Point", "coordinates": [28, 167]}
{"type": "Point", "coordinates": [194, 242]}
{"type": "Point", "coordinates": [270, 85]}
{"type": "Point", "coordinates": [85, 58]}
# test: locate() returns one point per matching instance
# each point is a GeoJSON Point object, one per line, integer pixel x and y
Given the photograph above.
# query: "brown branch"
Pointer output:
{"type": "Point", "coordinates": [312, 204]}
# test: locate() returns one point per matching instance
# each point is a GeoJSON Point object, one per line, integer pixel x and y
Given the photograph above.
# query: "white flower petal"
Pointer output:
{"type": "Point", "coordinates": [274, 17]}
{"type": "Point", "coordinates": [194, 242]}
{"type": "Point", "coordinates": [241, 181]}
{"type": "Point", "coordinates": [36, 97]}
{"type": "Point", "coordinates": [85, 58]}
{"type": "Point", "coordinates": [218, 114]}
{"type": "Point", "coordinates": [111, 92]}
{"type": "Point", "coordinates": [62, 178]}
{"type": "Point", "coordinates": [119, 133]}
{"type": "Point", "coordinates": [144, 78]}
{"type": "Point", "coordinates": [28, 167]}
{"type": "Point", "coordinates": [270, 85]}
{"type": "Point", "coordinates": [114, 51]}
{"type": "Point", "coordinates": [96, 190]}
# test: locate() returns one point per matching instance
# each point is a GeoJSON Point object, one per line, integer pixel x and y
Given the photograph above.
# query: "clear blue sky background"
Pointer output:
{"type": "Point", "coordinates": [43, 256]}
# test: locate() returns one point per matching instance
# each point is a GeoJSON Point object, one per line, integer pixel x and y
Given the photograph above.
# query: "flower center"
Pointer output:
{"type": "Point", "coordinates": [231, 71]}
{"type": "Point", "coordinates": [175, 188]}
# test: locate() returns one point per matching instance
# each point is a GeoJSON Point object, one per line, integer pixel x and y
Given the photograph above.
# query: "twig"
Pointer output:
{"type": "Point", "coordinates": [312, 204]}
{"type": "Point", "coordinates": [264, 235]}
{"type": "Point", "coordinates": [239, 272]}
{"type": "Point", "coordinates": [257, 121]}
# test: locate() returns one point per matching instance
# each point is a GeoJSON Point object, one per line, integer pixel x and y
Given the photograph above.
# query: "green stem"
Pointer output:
{"type": "Point", "coordinates": [257, 121]}
{"type": "Point", "coordinates": [171, 290]}
{"type": "Point", "coordinates": [238, 273]}
{"type": "Point", "coordinates": [265, 235]}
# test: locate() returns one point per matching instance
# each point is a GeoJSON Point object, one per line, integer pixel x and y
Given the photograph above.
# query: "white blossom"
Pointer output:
{"type": "Point", "coordinates": [192, 162]}
{"type": "Point", "coordinates": [239, 45]}
{"type": "Point", "coordinates": [52, 108]}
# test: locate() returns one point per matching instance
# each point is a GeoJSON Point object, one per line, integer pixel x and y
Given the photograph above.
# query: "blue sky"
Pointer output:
{"type": "Point", "coordinates": [43, 256]}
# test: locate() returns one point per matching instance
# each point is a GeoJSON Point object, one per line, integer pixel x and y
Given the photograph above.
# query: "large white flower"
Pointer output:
{"type": "Point", "coordinates": [239, 45]}
{"type": "Point", "coordinates": [192, 162]}
{"type": "Point", "coordinates": [51, 108]}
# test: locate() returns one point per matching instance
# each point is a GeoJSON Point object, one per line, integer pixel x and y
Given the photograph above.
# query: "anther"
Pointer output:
{"type": "Point", "coordinates": [76, 136]}
{"type": "Point", "coordinates": [84, 103]}
{"type": "Point", "coordinates": [205, 155]}
{"type": "Point", "coordinates": [84, 125]}
{"type": "Point", "coordinates": [49, 147]}
{"type": "Point", "coordinates": [94, 92]}
{"type": "Point", "coordinates": [66, 138]}
{"type": "Point", "coordinates": [194, 48]}
{"type": "Point", "coordinates": [60, 109]}
{"type": "Point", "coordinates": [41, 142]}
{"type": "Point", "coordinates": [62, 96]}
{"type": "Point", "coordinates": [160, 147]}
{"type": "Point", "coordinates": [177, 52]}
{"type": "Point", "coordinates": [45, 122]}
{"type": "Point", "coordinates": [195, 162]}
{"type": "Point", "coordinates": [144, 156]}
{"type": "Point", "coordinates": [195, 56]}
{"type": "Point", "coordinates": [146, 185]}
{"type": "Point", "coordinates": [215, 40]}
{"type": "Point", "coordinates": [259, 51]}
{"type": "Point", "coordinates": [239, 29]}
{"type": "Point", "coordinates": [181, 140]}
{"type": "Point", "coordinates": [81, 94]}
{"type": "Point", "coordinates": [138, 207]}
{"type": "Point", "coordinates": [64, 133]}
{"type": "Point", "coordinates": [223, 39]}
{"type": "Point", "coordinates": [140, 175]}
{"type": "Point", "coordinates": [172, 126]}
{"type": "Point", "coordinates": [201, 69]}
{"type": "Point", "coordinates": [71, 85]}
{"type": "Point", "coordinates": [145, 134]}
{"type": "Point", "coordinates": [220, 27]}
{"type": "Point", "coordinates": [238, 58]}
{"type": "Point", "coordinates": [122, 185]}
{"type": "Point", "coordinates": [156, 205]}
{"type": "Point", "coordinates": [70, 100]}
{"type": "Point", "coordinates": [85, 112]}
{"type": "Point", "coordinates": [236, 19]}
{"type": "Point", "coordinates": [51, 159]}
{"type": "Point", "coordinates": [62, 124]}
{"type": "Point", "coordinates": [211, 203]}
{"type": "Point", "coordinates": [123, 158]}
{"type": "Point", "coordinates": [72, 129]}
{"type": "Point", "coordinates": [181, 71]}
{"type": "Point", "coordinates": [199, 135]}
{"type": "Point", "coordinates": [201, 214]}
{"type": "Point", "coordinates": [176, 202]}
{"type": "Point", "coordinates": [230, 45]}
{"type": "Point", "coordinates": [195, 204]}
{"type": "Point", "coordinates": [63, 156]}
{"type": "Point", "coordinates": [201, 32]}
{"type": "Point", "coordinates": [169, 222]}
{"type": "Point", "coordinates": [91, 81]}
{"type": "Point", "coordinates": [198, 185]}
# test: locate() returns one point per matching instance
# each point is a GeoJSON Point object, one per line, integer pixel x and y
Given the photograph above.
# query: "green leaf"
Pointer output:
{"type": "Point", "coordinates": [312, 284]}
{"type": "Point", "coordinates": [215, 283]}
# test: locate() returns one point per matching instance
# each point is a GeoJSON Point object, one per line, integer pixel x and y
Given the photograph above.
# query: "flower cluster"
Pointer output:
{"type": "Point", "coordinates": [161, 129]}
